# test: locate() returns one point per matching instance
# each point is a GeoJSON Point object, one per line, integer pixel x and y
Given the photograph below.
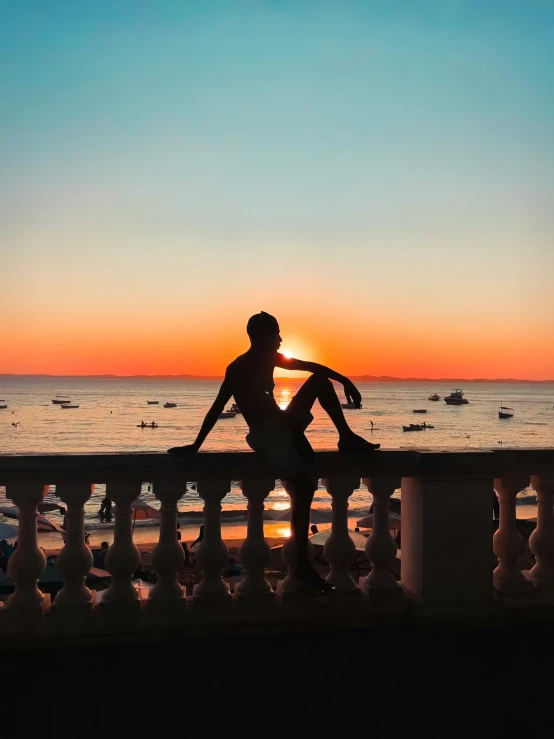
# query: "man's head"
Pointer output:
{"type": "Point", "coordinates": [263, 331]}
{"type": "Point", "coordinates": [104, 545]}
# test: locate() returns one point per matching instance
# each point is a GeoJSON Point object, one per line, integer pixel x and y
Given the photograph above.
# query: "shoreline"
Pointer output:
{"type": "Point", "coordinates": [233, 533]}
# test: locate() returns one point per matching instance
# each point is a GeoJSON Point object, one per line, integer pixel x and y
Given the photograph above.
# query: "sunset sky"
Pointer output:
{"type": "Point", "coordinates": [379, 175]}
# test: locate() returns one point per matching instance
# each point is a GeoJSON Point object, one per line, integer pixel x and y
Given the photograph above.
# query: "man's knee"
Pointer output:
{"type": "Point", "coordinates": [320, 382]}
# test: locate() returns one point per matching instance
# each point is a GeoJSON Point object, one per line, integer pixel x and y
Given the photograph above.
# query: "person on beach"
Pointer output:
{"type": "Point", "coordinates": [278, 435]}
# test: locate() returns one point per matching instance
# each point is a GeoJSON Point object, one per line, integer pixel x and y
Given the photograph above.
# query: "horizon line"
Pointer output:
{"type": "Point", "coordinates": [362, 378]}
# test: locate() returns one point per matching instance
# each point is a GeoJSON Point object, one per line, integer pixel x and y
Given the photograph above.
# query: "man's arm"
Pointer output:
{"type": "Point", "coordinates": [351, 392]}
{"type": "Point", "coordinates": [212, 415]}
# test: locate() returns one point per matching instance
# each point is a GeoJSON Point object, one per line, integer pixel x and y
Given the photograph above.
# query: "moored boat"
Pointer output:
{"type": "Point", "coordinates": [227, 414]}
{"type": "Point", "coordinates": [417, 427]}
{"type": "Point", "coordinates": [456, 397]}
{"type": "Point", "coordinates": [61, 399]}
{"type": "Point", "coordinates": [170, 405]}
{"type": "Point", "coordinates": [434, 396]}
{"type": "Point", "coordinates": [152, 402]}
{"type": "Point", "coordinates": [68, 405]}
{"type": "Point", "coordinates": [505, 412]}
{"type": "Point", "coordinates": [420, 410]}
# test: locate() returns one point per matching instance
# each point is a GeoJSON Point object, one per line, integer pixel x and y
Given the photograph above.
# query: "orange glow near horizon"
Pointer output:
{"type": "Point", "coordinates": [374, 350]}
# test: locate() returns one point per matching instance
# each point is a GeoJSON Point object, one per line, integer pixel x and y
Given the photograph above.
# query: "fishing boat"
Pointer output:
{"type": "Point", "coordinates": [456, 397]}
{"type": "Point", "coordinates": [170, 405]}
{"type": "Point", "coordinates": [505, 412]}
{"type": "Point", "coordinates": [234, 408]}
{"type": "Point", "coordinates": [68, 405]}
{"type": "Point", "coordinates": [61, 399]}
{"type": "Point", "coordinates": [420, 410]}
{"type": "Point", "coordinates": [227, 414]}
{"type": "Point", "coordinates": [434, 396]}
{"type": "Point", "coordinates": [417, 427]}
{"type": "Point", "coordinates": [152, 402]}
{"type": "Point", "coordinates": [3, 404]}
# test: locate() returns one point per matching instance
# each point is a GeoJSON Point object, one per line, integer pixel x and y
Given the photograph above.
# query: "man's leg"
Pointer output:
{"type": "Point", "coordinates": [321, 388]}
{"type": "Point", "coordinates": [301, 491]}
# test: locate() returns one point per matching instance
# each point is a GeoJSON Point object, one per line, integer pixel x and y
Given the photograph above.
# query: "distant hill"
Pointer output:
{"type": "Point", "coordinates": [357, 378]}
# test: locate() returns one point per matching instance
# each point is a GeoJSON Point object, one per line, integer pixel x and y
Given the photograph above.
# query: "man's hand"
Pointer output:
{"type": "Point", "coordinates": [188, 449]}
{"type": "Point", "coordinates": [352, 394]}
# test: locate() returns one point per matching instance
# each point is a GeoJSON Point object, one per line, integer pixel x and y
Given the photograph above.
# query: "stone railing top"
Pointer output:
{"type": "Point", "coordinates": [146, 466]}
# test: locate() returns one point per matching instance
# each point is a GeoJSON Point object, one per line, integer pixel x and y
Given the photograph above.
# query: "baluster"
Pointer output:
{"type": "Point", "coordinates": [541, 541]}
{"type": "Point", "coordinates": [123, 557]}
{"type": "Point", "coordinates": [75, 559]}
{"type": "Point", "coordinates": [508, 543]}
{"type": "Point", "coordinates": [380, 585]}
{"type": "Point", "coordinates": [212, 555]}
{"type": "Point", "coordinates": [168, 556]}
{"type": "Point", "coordinates": [339, 548]}
{"type": "Point", "coordinates": [255, 552]}
{"type": "Point", "coordinates": [27, 563]}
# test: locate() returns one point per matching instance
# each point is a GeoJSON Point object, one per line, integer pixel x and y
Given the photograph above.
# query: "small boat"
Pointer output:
{"type": "Point", "coordinates": [505, 412]}
{"type": "Point", "coordinates": [61, 400]}
{"type": "Point", "coordinates": [3, 404]}
{"type": "Point", "coordinates": [152, 402]}
{"type": "Point", "coordinates": [147, 425]}
{"type": "Point", "coordinates": [227, 414]}
{"type": "Point", "coordinates": [417, 427]}
{"type": "Point", "coordinates": [420, 410]}
{"type": "Point", "coordinates": [234, 409]}
{"type": "Point", "coordinates": [170, 405]}
{"type": "Point", "coordinates": [67, 405]}
{"type": "Point", "coordinates": [456, 397]}
{"type": "Point", "coordinates": [434, 396]}
{"type": "Point", "coordinates": [350, 406]}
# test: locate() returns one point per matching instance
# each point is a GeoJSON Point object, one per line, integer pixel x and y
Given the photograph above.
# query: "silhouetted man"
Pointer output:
{"type": "Point", "coordinates": [278, 435]}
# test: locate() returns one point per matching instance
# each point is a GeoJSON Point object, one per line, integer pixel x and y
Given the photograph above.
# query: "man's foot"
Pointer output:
{"type": "Point", "coordinates": [189, 449]}
{"type": "Point", "coordinates": [356, 445]}
{"type": "Point", "coordinates": [313, 583]}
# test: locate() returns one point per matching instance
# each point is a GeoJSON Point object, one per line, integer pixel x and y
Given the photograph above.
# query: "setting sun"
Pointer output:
{"type": "Point", "coordinates": [287, 353]}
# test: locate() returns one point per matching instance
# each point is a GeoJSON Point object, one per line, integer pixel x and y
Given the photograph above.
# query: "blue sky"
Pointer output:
{"type": "Point", "coordinates": [323, 152]}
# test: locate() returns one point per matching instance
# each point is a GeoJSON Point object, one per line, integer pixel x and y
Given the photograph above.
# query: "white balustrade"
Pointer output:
{"type": "Point", "coordinates": [446, 537]}
{"type": "Point", "coordinates": [339, 548]}
{"type": "Point", "coordinates": [212, 554]}
{"type": "Point", "coordinates": [123, 557]}
{"type": "Point", "coordinates": [27, 563]}
{"type": "Point", "coordinates": [541, 541]}
{"type": "Point", "coordinates": [508, 543]}
{"type": "Point", "coordinates": [381, 548]}
{"type": "Point", "coordinates": [75, 559]}
{"type": "Point", "coordinates": [255, 552]}
{"type": "Point", "coordinates": [168, 556]}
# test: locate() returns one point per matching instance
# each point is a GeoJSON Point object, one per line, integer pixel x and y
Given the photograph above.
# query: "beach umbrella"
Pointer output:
{"type": "Point", "coordinates": [143, 511]}
{"type": "Point", "coordinates": [316, 516]}
{"type": "Point", "coordinates": [43, 523]}
{"type": "Point", "coordinates": [359, 562]}
{"type": "Point", "coordinates": [7, 531]}
{"type": "Point", "coordinates": [321, 537]}
{"type": "Point", "coordinates": [52, 579]}
{"type": "Point", "coordinates": [367, 522]}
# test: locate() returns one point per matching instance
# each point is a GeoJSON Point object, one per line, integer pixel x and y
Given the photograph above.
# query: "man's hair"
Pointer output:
{"type": "Point", "coordinates": [261, 325]}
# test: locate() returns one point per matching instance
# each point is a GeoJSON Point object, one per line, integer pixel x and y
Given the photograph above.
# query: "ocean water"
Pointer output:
{"type": "Point", "coordinates": [110, 409]}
